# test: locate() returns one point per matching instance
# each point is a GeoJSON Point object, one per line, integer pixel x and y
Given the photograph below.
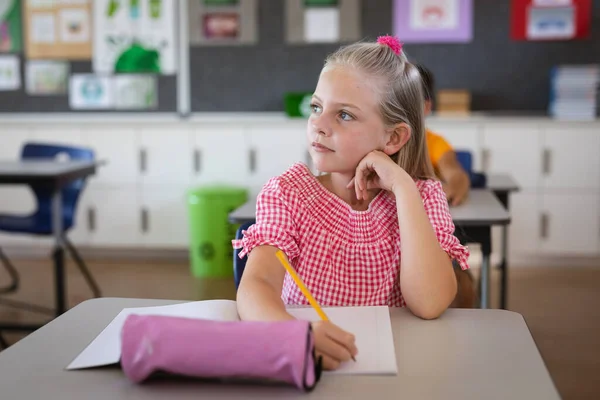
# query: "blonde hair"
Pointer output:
{"type": "Point", "coordinates": [401, 98]}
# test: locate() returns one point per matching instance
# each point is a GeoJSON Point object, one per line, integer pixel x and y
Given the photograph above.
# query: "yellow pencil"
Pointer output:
{"type": "Point", "coordinates": [302, 287]}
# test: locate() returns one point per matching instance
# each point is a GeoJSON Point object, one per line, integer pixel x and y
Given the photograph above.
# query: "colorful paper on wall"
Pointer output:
{"type": "Point", "coordinates": [135, 36]}
{"type": "Point", "coordinates": [223, 22]}
{"type": "Point", "coordinates": [433, 21]}
{"type": "Point", "coordinates": [135, 92]}
{"type": "Point", "coordinates": [90, 92]}
{"type": "Point", "coordinates": [10, 73]}
{"type": "Point", "coordinates": [46, 77]}
{"type": "Point", "coordinates": [58, 30]}
{"type": "Point", "coordinates": [322, 21]}
{"type": "Point", "coordinates": [10, 26]}
{"type": "Point", "coordinates": [550, 19]}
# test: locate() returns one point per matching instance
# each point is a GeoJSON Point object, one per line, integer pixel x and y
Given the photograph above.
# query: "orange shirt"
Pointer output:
{"type": "Point", "coordinates": [437, 147]}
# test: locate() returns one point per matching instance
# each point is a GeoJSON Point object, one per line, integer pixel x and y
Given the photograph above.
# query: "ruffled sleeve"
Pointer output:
{"type": "Point", "coordinates": [274, 225]}
{"type": "Point", "coordinates": [438, 211]}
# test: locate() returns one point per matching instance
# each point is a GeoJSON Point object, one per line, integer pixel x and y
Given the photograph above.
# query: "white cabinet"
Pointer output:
{"type": "Point", "coordinates": [118, 148]}
{"type": "Point", "coordinates": [570, 224]}
{"type": "Point", "coordinates": [570, 157]}
{"type": "Point", "coordinates": [512, 148]}
{"type": "Point", "coordinates": [220, 155]}
{"type": "Point", "coordinates": [58, 134]}
{"type": "Point", "coordinates": [16, 200]}
{"type": "Point", "coordinates": [274, 149]}
{"type": "Point", "coordinates": [523, 231]}
{"type": "Point", "coordinates": [462, 135]}
{"type": "Point", "coordinates": [115, 216]}
{"type": "Point", "coordinates": [164, 222]}
{"type": "Point", "coordinates": [165, 155]}
{"type": "Point", "coordinates": [13, 139]}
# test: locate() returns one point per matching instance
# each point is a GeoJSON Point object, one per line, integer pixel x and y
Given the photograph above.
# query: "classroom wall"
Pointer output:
{"type": "Point", "coordinates": [503, 75]}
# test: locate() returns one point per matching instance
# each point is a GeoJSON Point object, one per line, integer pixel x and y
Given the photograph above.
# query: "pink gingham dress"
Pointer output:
{"type": "Point", "coordinates": [345, 257]}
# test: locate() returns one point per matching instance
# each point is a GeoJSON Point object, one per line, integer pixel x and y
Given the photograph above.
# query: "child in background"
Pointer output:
{"type": "Point", "coordinates": [375, 228]}
{"type": "Point", "coordinates": [456, 182]}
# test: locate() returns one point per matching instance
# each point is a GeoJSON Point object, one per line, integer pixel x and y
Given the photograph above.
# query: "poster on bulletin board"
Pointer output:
{"type": "Point", "coordinates": [10, 26]}
{"type": "Point", "coordinates": [550, 19]}
{"type": "Point", "coordinates": [322, 21]}
{"type": "Point", "coordinates": [223, 22]}
{"type": "Point", "coordinates": [135, 36]}
{"type": "Point", "coordinates": [58, 30]}
{"type": "Point", "coordinates": [433, 21]}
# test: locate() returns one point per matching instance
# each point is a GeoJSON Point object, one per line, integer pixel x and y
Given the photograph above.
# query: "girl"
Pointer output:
{"type": "Point", "coordinates": [375, 228]}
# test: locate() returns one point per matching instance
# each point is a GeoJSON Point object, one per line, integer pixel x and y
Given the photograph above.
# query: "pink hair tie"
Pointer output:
{"type": "Point", "coordinates": [392, 42]}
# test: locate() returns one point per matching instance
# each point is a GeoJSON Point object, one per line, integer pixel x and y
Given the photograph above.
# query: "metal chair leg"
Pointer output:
{"type": "Point", "coordinates": [14, 275]}
{"type": "Point", "coordinates": [83, 268]}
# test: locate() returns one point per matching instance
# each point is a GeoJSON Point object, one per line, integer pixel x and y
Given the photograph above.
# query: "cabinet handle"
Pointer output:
{"type": "Point", "coordinates": [546, 160]}
{"type": "Point", "coordinates": [91, 217]}
{"type": "Point", "coordinates": [145, 224]}
{"type": "Point", "coordinates": [197, 160]}
{"type": "Point", "coordinates": [544, 221]}
{"type": "Point", "coordinates": [143, 159]}
{"type": "Point", "coordinates": [485, 159]}
{"type": "Point", "coordinates": [252, 159]}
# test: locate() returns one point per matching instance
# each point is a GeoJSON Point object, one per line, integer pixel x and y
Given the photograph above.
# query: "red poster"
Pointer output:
{"type": "Point", "coordinates": [550, 19]}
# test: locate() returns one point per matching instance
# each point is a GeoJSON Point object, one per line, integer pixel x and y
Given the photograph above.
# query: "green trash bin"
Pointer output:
{"type": "Point", "coordinates": [210, 231]}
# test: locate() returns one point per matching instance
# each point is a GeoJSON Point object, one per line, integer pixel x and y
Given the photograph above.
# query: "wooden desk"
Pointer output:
{"type": "Point", "coordinates": [53, 175]}
{"type": "Point", "coordinates": [465, 354]}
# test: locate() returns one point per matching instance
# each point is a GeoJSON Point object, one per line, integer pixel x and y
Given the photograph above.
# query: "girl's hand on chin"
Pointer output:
{"type": "Point", "coordinates": [376, 171]}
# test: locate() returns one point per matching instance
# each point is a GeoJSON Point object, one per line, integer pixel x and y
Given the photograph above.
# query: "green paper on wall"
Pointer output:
{"type": "Point", "coordinates": [220, 2]}
{"type": "Point", "coordinates": [320, 3]}
{"type": "Point", "coordinates": [10, 26]}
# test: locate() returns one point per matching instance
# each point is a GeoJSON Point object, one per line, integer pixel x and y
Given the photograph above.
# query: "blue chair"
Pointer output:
{"type": "Point", "coordinates": [239, 264]}
{"type": "Point", "coordinates": [465, 158]}
{"type": "Point", "coordinates": [40, 221]}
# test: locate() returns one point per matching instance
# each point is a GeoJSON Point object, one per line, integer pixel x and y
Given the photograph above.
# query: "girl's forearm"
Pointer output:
{"type": "Point", "coordinates": [427, 279]}
{"type": "Point", "coordinates": [258, 301]}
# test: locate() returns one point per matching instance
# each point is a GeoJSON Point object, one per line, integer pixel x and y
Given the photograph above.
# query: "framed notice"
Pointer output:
{"type": "Point", "coordinates": [58, 30]}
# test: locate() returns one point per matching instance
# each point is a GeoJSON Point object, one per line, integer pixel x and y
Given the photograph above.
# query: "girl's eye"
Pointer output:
{"type": "Point", "coordinates": [315, 108]}
{"type": "Point", "coordinates": [345, 116]}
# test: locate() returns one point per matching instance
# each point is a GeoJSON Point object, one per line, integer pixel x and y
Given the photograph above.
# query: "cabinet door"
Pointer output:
{"type": "Point", "coordinates": [570, 224]}
{"type": "Point", "coordinates": [512, 148]}
{"type": "Point", "coordinates": [68, 135]}
{"type": "Point", "coordinates": [523, 230]}
{"type": "Point", "coordinates": [164, 222]}
{"type": "Point", "coordinates": [220, 155]}
{"type": "Point", "coordinates": [13, 139]}
{"type": "Point", "coordinates": [165, 155]}
{"type": "Point", "coordinates": [570, 156]}
{"type": "Point", "coordinates": [118, 147]}
{"type": "Point", "coordinates": [116, 216]}
{"type": "Point", "coordinates": [16, 200]}
{"type": "Point", "coordinates": [462, 135]}
{"type": "Point", "coordinates": [274, 149]}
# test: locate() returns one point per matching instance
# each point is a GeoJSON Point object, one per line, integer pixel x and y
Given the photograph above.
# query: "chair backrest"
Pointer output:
{"type": "Point", "coordinates": [465, 159]}
{"type": "Point", "coordinates": [71, 192]}
{"type": "Point", "coordinates": [239, 264]}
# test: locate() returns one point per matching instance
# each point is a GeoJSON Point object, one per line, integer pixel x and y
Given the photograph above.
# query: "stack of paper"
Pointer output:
{"type": "Point", "coordinates": [574, 92]}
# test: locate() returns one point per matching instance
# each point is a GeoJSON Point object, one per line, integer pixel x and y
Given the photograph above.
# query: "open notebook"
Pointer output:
{"type": "Point", "coordinates": [370, 325]}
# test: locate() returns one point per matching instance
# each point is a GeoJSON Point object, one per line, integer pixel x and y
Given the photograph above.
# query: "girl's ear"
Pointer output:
{"type": "Point", "coordinates": [397, 139]}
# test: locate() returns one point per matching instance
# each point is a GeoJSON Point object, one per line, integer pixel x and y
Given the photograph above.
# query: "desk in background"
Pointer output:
{"type": "Point", "coordinates": [465, 354]}
{"type": "Point", "coordinates": [54, 175]}
{"type": "Point", "coordinates": [474, 220]}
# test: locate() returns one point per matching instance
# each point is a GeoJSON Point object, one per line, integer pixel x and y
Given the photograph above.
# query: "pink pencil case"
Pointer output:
{"type": "Point", "coordinates": [270, 351]}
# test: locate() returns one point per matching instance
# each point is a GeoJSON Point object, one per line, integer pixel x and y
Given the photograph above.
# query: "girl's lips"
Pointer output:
{"type": "Point", "coordinates": [319, 147]}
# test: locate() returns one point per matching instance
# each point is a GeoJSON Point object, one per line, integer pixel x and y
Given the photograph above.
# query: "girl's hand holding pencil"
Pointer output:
{"type": "Point", "coordinates": [332, 343]}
